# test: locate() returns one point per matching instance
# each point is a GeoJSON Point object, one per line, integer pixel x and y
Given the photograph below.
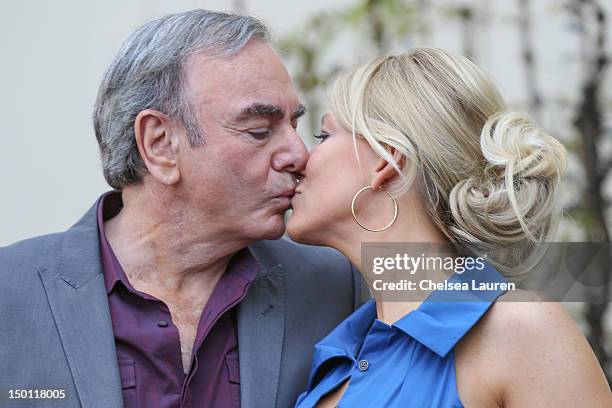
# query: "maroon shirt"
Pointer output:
{"type": "Point", "coordinates": [147, 342]}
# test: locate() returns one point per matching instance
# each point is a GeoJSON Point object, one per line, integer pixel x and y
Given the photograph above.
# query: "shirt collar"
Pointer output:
{"type": "Point", "coordinates": [438, 323]}
{"type": "Point", "coordinates": [109, 205]}
{"type": "Point", "coordinates": [345, 340]}
{"type": "Point", "coordinates": [447, 315]}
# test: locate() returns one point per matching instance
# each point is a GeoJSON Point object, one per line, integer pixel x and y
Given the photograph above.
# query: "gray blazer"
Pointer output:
{"type": "Point", "coordinates": [56, 329]}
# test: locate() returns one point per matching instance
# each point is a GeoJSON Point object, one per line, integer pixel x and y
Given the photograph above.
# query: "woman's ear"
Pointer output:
{"type": "Point", "coordinates": [385, 172]}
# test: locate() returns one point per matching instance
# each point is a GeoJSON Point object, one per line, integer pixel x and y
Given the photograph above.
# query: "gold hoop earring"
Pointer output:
{"type": "Point", "coordinates": [363, 226]}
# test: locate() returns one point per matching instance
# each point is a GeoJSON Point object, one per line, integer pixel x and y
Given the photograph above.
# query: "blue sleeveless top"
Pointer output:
{"type": "Point", "coordinates": [407, 364]}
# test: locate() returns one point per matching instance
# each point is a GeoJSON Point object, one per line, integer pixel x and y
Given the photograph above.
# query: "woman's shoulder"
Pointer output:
{"type": "Point", "coordinates": [522, 327]}
{"type": "Point", "coordinates": [526, 342]}
{"type": "Point", "coordinates": [525, 317]}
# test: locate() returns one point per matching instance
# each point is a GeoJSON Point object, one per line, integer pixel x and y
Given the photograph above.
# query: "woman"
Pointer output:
{"type": "Point", "coordinates": [419, 148]}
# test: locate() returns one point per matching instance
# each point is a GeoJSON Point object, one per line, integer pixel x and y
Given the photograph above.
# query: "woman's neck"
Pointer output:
{"type": "Point", "coordinates": [411, 230]}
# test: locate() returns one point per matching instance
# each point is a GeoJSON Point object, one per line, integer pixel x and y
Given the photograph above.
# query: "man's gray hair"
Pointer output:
{"type": "Point", "coordinates": [148, 73]}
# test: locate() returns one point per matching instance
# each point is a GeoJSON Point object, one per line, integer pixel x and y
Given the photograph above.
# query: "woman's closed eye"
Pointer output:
{"type": "Point", "coordinates": [322, 136]}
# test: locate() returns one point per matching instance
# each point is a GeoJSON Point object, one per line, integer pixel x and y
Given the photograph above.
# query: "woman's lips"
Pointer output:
{"type": "Point", "coordinates": [297, 194]}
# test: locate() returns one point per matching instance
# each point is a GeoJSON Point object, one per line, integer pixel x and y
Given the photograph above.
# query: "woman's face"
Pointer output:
{"type": "Point", "coordinates": [322, 203]}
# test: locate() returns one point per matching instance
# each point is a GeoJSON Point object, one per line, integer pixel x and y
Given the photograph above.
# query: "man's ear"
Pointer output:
{"type": "Point", "coordinates": [384, 171]}
{"type": "Point", "coordinates": [158, 145]}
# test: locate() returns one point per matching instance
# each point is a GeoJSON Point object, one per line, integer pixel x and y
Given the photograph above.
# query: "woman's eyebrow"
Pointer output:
{"type": "Point", "coordinates": [323, 119]}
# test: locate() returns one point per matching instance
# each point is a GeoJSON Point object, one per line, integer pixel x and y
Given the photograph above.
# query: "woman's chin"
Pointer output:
{"type": "Point", "coordinates": [299, 230]}
{"type": "Point", "coordinates": [293, 229]}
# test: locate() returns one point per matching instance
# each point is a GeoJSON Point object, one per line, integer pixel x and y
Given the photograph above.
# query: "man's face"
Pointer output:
{"type": "Point", "coordinates": [242, 179]}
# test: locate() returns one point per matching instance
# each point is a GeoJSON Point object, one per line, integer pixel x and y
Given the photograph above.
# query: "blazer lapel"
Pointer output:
{"type": "Point", "coordinates": [79, 304]}
{"type": "Point", "coordinates": [261, 328]}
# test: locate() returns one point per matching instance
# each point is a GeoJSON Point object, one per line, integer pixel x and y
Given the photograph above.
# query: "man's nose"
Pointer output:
{"type": "Point", "coordinates": [293, 155]}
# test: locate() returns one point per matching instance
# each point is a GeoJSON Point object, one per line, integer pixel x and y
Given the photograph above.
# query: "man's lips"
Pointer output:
{"type": "Point", "coordinates": [288, 193]}
{"type": "Point", "coordinates": [285, 197]}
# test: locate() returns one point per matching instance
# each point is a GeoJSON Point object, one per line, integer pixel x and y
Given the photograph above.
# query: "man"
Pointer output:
{"type": "Point", "coordinates": [175, 289]}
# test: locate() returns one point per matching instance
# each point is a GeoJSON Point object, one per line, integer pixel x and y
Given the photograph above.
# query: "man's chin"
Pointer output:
{"type": "Point", "coordinates": [273, 229]}
{"type": "Point", "coordinates": [276, 235]}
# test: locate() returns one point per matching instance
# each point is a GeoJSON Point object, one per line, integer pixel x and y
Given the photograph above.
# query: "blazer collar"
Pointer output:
{"type": "Point", "coordinates": [261, 332]}
{"type": "Point", "coordinates": [77, 298]}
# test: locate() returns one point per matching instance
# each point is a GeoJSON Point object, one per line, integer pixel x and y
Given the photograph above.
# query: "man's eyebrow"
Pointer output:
{"type": "Point", "coordinates": [272, 111]}
{"type": "Point", "coordinates": [299, 112]}
{"type": "Point", "coordinates": [262, 109]}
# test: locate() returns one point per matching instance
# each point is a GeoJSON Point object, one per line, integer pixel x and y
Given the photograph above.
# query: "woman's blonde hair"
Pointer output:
{"type": "Point", "coordinates": [489, 175]}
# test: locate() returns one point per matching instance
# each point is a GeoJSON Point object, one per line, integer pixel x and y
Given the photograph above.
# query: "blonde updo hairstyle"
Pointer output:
{"type": "Point", "coordinates": [489, 175]}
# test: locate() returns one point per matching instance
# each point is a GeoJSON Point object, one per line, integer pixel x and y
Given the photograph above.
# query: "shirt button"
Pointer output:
{"type": "Point", "coordinates": [363, 365]}
{"type": "Point", "coordinates": [162, 323]}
